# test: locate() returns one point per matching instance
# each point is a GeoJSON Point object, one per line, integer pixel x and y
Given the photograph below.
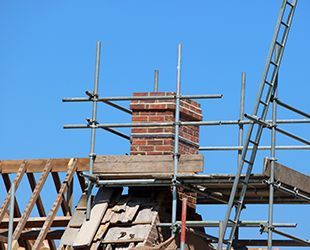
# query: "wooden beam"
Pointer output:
{"type": "Point", "coordinates": [32, 222]}
{"type": "Point", "coordinates": [17, 213]}
{"type": "Point", "coordinates": [36, 165]}
{"type": "Point", "coordinates": [275, 243]}
{"type": "Point", "coordinates": [20, 226]}
{"type": "Point", "coordinates": [72, 165]}
{"type": "Point", "coordinates": [122, 164]}
{"type": "Point", "coordinates": [81, 181]}
{"type": "Point", "coordinates": [33, 234]}
{"type": "Point", "coordinates": [7, 183]}
{"type": "Point", "coordinates": [64, 205]}
{"type": "Point", "coordinates": [39, 204]}
{"type": "Point", "coordinates": [69, 197]}
{"type": "Point", "coordinates": [289, 176]}
{"type": "Point", "coordinates": [150, 163]}
{"type": "Point", "coordinates": [16, 182]}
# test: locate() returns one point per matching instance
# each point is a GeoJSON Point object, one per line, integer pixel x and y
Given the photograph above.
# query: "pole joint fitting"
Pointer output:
{"type": "Point", "coordinates": [92, 96]}
{"type": "Point", "coordinates": [272, 158]}
{"type": "Point", "coordinates": [92, 156]}
{"type": "Point", "coordinates": [175, 228]}
{"type": "Point", "coordinates": [91, 122]}
{"type": "Point", "coordinates": [177, 155]}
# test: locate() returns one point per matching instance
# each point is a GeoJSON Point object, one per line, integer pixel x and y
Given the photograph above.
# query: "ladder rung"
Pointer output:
{"type": "Point", "coordinates": [280, 44]}
{"type": "Point", "coordinates": [284, 24]}
{"type": "Point", "coordinates": [268, 83]}
{"type": "Point", "coordinates": [253, 142]}
{"type": "Point", "coordinates": [232, 221]}
{"type": "Point", "coordinates": [264, 103]}
{"type": "Point", "coordinates": [273, 63]}
{"type": "Point", "coordinates": [248, 162]}
{"type": "Point", "coordinates": [290, 4]}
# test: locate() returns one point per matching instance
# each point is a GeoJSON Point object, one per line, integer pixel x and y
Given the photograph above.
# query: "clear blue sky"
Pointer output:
{"type": "Point", "coordinates": [47, 51]}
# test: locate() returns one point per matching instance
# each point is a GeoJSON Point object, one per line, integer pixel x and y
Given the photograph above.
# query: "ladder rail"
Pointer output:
{"type": "Point", "coordinates": [264, 101]}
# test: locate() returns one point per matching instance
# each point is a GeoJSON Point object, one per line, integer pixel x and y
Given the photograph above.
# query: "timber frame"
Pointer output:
{"type": "Point", "coordinates": [38, 229]}
{"type": "Point", "coordinates": [32, 232]}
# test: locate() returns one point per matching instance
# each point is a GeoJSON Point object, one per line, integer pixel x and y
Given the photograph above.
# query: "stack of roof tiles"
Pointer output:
{"type": "Point", "coordinates": [123, 221]}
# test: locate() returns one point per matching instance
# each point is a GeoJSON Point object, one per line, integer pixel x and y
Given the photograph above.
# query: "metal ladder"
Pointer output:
{"type": "Point", "coordinates": [264, 97]}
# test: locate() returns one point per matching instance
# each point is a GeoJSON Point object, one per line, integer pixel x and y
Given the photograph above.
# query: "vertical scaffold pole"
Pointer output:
{"type": "Point", "coordinates": [241, 114]}
{"type": "Point", "coordinates": [273, 159]}
{"type": "Point", "coordinates": [176, 141]}
{"type": "Point", "coordinates": [240, 132]}
{"type": "Point", "coordinates": [93, 122]}
{"type": "Point", "coordinates": [156, 76]}
{"type": "Point", "coordinates": [10, 234]}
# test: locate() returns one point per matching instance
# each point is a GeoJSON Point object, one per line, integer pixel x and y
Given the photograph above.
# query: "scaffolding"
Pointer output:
{"type": "Point", "coordinates": [254, 122]}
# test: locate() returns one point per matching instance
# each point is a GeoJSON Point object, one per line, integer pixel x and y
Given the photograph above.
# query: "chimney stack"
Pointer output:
{"type": "Point", "coordinates": [160, 140]}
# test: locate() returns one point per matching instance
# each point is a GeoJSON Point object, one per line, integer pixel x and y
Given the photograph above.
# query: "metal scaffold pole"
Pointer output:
{"type": "Point", "coordinates": [240, 132]}
{"type": "Point", "coordinates": [92, 122]}
{"type": "Point", "coordinates": [10, 233]}
{"type": "Point", "coordinates": [156, 76]}
{"type": "Point", "coordinates": [176, 141]}
{"type": "Point", "coordinates": [273, 159]}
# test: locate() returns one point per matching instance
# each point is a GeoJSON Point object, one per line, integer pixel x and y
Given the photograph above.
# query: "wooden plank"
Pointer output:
{"type": "Point", "coordinates": [37, 165]}
{"type": "Point", "coordinates": [64, 205]}
{"type": "Point", "coordinates": [289, 176]}
{"type": "Point", "coordinates": [147, 164]}
{"type": "Point", "coordinates": [32, 222]}
{"type": "Point", "coordinates": [16, 182]}
{"type": "Point", "coordinates": [20, 226]}
{"type": "Point", "coordinates": [51, 215]}
{"type": "Point", "coordinates": [163, 163]}
{"type": "Point", "coordinates": [90, 227]}
{"type": "Point", "coordinates": [32, 234]}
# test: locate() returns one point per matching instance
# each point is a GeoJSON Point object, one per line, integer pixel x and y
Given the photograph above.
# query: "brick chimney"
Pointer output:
{"type": "Point", "coordinates": [160, 140]}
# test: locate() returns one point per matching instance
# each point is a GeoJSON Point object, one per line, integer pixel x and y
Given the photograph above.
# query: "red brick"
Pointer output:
{"type": "Point", "coordinates": [163, 148]}
{"type": "Point", "coordinates": [138, 142]}
{"type": "Point", "coordinates": [155, 130]}
{"type": "Point", "coordinates": [153, 142]}
{"type": "Point", "coordinates": [157, 118]}
{"type": "Point", "coordinates": [156, 106]}
{"type": "Point", "coordinates": [140, 118]}
{"type": "Point", "coordinates": [146, 148]}
{"type": "Point", "coordinates": [139, 130]}
{"type": "Point", "coordinates": [137, 106]}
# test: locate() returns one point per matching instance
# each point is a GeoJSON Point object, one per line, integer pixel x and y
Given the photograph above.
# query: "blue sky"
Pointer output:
{"type": "Point", "coordinates": [47, 51]}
